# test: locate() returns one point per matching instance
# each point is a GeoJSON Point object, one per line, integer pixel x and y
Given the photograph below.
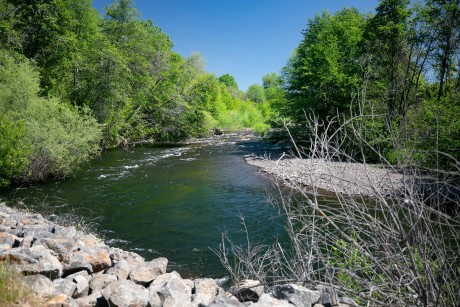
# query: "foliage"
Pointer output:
{"type": "Point", "coordinates": [256, 93]}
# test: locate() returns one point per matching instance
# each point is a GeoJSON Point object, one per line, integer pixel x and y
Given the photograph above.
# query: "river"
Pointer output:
{"type": "Point", "coordinates": [173, 202]}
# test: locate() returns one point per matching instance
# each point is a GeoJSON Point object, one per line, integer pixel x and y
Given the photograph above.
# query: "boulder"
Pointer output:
{"type": "Point", "coordinates": [82, 288]}
{"type": "Point", "coordinates": [37, 231]}
{"type": "Point", "coordinates": [121, 270]}
{"type": "Point", "coordinates": [347, 302]}
{"type": "Point", "coordinates": [41, 285]}
{"type": "Point", "coordinates": [60, 245]}
{"type": "Point", "coordinates": [34, 260]}
{"type": "Point", "coordinates": [159, 283]}
{"type": "Point", "coordinates": [328, 296]}
{"type": "Point", "coordinates": [99, 282]}
{"type": "Point", "coordinates": [125, 293]}
{"type": "Point", "coordinates": [9, 239]}
{"type": "Point", "coordinates": [267, 300]}
{"type": "Point", "coordinates": [175, 293]}
{"type": "Point", "coordinates": [92, 300]}
{"type": "Point", "coordinates": [61, 300]}
{"type": "Point", "coordinates": [89, 259]}
{"type": "Point", "coordinates": [64, 286]}
{"type": "Point", "coordinates": [147, 272]}
{"type": "Point", "coordinates": [226, 301]}
{"type": "Point", "coordinates": [62, 231]}
{"type": "Point", "coordinates": [206, 290]}
{"type": "Point", "coordinates": [297, 295]}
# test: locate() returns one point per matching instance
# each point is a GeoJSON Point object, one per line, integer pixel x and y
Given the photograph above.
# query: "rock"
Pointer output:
{"type": "Point", "coordinates": [37, 231]}
{"type": "Point", "coordinates": [90, 240]}
{"type": "Point", "coordinates": [41, 285]}
{"type": "Point", "coordinates": [91, 260]}
{"type": "Point", "coordinates": [159, 283]}
{"type": "Point", "coordinates": [9, 239]}
{"type": "Point", "coordinates": [60, 245]}
{"type": "Point", "coordinates": [34, 260]}
{"type": "Point", "coordinates": [125, 293]}
{"type": "Point", "coordinates": [64, 286]}
{"type": "Point", "coordinates": [4, 247]}
{"type": "Point", "coordinates": [175, 294]}
{"type": "Point", "coordinates": [146, 273]}
{"type": "Point", "coordinates": [226, 301]}
{"type": "Point", "coordinates": [328, 296]}
{"type": "Point", "coordinates": [61, 300]}
{"type": "Point", "coordinates": [92, 300]}
{"type": "Point", "coordinates": [267, 300]}
{"type": "Point", "coordinates": [99, 282]}
{"type": "Point", "coordinates": [121, 270]}
{"type": "Point", "coordinates": [61, 231]}
{"type": "Point", "coordinates": [248, 291]}
{"type": "Point", "coordinates": [297, 295]}
{"type": "Point", "coordinates": [79, 273]}
{"type": "Point", "coordinates": [205, 291]}
{"type": "Point", "coordinates": [82, 288]}
{"type": "Point", "coordinates": [347, 302]}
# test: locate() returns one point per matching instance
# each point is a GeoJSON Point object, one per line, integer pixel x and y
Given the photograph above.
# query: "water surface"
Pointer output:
{"type": "Point", "coordinates": [171, 201]}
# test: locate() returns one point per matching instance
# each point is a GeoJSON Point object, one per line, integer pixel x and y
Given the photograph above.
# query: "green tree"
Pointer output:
{"type": "Point", "coordinates": [229, 81]}
{"type": "Point", "coordinates": [256, 93]}
{"type": "Point", "coordinates": [323, 72]}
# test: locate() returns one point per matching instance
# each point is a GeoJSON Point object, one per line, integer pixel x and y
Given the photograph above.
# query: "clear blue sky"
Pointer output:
{"type": "Point", "coordinates": [244, 38]}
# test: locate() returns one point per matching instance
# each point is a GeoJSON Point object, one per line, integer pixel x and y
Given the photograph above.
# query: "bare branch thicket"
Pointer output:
{"type": "Point", "coordinates": [387, 247]}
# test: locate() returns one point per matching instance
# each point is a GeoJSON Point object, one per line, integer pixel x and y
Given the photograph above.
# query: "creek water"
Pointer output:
{"type": "Point", "coordinates": [173, 202]}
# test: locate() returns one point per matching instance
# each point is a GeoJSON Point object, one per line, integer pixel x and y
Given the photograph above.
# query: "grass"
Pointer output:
{"type": "Point", "coordinates": [12, 291]}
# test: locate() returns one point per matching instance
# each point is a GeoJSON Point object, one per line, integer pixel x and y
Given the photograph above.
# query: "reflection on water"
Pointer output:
{"type": "Point", "coordinates": [173, 202]}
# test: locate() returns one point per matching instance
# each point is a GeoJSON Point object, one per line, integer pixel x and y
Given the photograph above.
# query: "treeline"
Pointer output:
{"type": "Point", "coordinates": [395, 72]}
{"type": "Point", "coordinates": [73, 81]}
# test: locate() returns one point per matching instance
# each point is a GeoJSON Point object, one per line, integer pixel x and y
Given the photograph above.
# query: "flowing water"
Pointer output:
{"type": "Point", "coordinates": [173, 202]}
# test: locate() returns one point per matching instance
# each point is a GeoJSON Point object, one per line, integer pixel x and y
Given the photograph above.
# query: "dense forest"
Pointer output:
{"type": "Point", "coordinates": [73, 82]}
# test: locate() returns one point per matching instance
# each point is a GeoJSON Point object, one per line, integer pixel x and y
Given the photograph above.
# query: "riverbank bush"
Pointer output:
{"type": "Point", "coordinates": [394, 248]}
{"type": "Point", "coordinates": [41, 137]}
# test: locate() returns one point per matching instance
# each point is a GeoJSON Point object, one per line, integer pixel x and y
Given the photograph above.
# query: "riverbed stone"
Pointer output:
{"type": "Point", "coordinates": [61, 300]}
{"type": "Point", "coordinates": [147, 272]}
{"type": "Point", "coordinates": [297, 295]}
{"type": "Point", "coordinates": [82, 288]}
{"type": "Point", "coordinates": [121, 270]}
{"type": "Point", "coordinates": [156, 286]}
{"type": "Point", "coordinates": [226, 301]}
{"type": "Point", "coordinates": [41, 285]}
{"type": "Point", "coordinates": [248, 290]}
{"type": "Point", "coordinates": [268, 300]}
{"type": "Point", "coordinates": [62, 231]}
{"type": "Point", "coordinates": [125, 293]}
{"type": "Point", "coordinates": [9, 239]}
{"type": "Point", "coordinates": [60, 245]}
{"type": "Point", "coordinates": [89, 259]}
{"type": "Point", "coordinates": [175, 293]}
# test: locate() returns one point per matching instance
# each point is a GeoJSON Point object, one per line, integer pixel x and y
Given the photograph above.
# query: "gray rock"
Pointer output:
{"type": "Point", "coordinates": [92, 300]}
{"type": "Point", "coordinates": [267, 300]}
{"type": "Point", "coordinates": [4, 247]}
{"type": "Point", "coordinates": [79, 273]}
{"type": "Point", "coordinates": [60, 245]}
{"type": "Point", "coordinates": [225, 301]}
{"type": "Point", "coordinates": [297, 295]}
{"type": "Point", "coordinates": [82, 286]}
{"type": "Point", "coordinates": [159, 283]}
{"type": "Point", "coordinates": [34, 260]}
{"type": "Point", "coordinates": [89, 259]}
{"type": "Point", "coordinates": [146, 273]}
{"type": "Point", "coordinates": [175, 294]}
{"type": "Point", "coordinates": [41, 285]}
{"type": "Point", "coordinates": [99, 282]}
{"type": "Point", "coordinates": [64, 286]}
{"type": "Point", "coordinates": [37, 231]}
{"type": "Point", "coordinates": [121, 270]}
{"type": "Point", "coordinates": [205, 291]}
{"type": "Point", "coordinates": [62, 231]}
{"type": "Point", "coordinates": [328, 295]}
{"type": "Point", "coordinates": [125, 293]}
{"type": "Point", "coordinates": [61, 300]}
{"type": "Point", "coordinates": [9, 239]}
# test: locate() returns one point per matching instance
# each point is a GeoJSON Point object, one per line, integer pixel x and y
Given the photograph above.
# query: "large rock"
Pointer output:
{"type": "Point", "coordinates": [121, 270]}
{"type": "Point", "coordinates": [9, 239]}
{"type": "Point", "coordinates": [226, 301]}
{"type": "Point", "coordinates": [41, 285]}
{"type": "Point", "coordinates": [267, 300]}
{"type": "Point", "coordinates": [101, 281]}
{"type": "Point", "coordinates": [347, 302]}
{"type": "Point", "coordinates": [82, 289]}
{"type": "Point", "coordinates": [61, 300]}
{"type": "Point", "coordinates": [146, 273]}
{"type": "Point", "coordinates": [37, 231]}
{"type": "Point", "coordinates": [89, 259]}
{"type": "Point", "coordinates": [92, 300]}
{"type": "Point", "coordinates": [60, 245]}
{"type": "Point", "coordinates": [206, 290]}
{"type": "Point", "coordinates": [297, 295]}
{"type": "Point", "coordinates": [125, 293]}
{"type": "Point", "coordinates": [328, 296]}
{"type": "Point", "coordinates": [34, 260]}
{"type": "Point", "coordinates": [64, 286]}
{"type": "Point", "coordinates": [62, 231]}
{"type": "Point", "coordinates": [164, 285]}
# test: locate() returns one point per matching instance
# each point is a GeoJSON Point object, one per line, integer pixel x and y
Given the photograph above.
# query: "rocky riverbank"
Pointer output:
{"type": "Point", "coordinates": [67, 267]}
{"type": "Point", "coordinates": [337, 177]}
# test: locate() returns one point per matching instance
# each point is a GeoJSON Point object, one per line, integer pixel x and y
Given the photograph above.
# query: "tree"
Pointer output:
{"type": "Point", "coordinates": [256, 93]}
{"type": "Point", "coordinates": [323, 73]}
{"type": "Point", "coordinates": [229, 81]}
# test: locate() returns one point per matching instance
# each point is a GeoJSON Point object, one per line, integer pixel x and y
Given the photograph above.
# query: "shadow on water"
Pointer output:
{"type": "Point", "coordinates": [171, 201]}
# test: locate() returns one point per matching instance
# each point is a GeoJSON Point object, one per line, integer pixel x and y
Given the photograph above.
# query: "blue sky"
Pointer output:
{"type": "Point", "coordinates": [244, 38]}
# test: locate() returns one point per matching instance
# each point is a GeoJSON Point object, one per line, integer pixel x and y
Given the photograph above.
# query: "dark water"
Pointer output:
{"type": "Point", "coordinates": [170, 201]}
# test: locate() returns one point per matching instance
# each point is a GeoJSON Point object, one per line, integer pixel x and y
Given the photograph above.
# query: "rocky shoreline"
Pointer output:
{"type": "Point", "coordinates": [66, 267]}
{"type": "Point", "coordinates": [345, 178]}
